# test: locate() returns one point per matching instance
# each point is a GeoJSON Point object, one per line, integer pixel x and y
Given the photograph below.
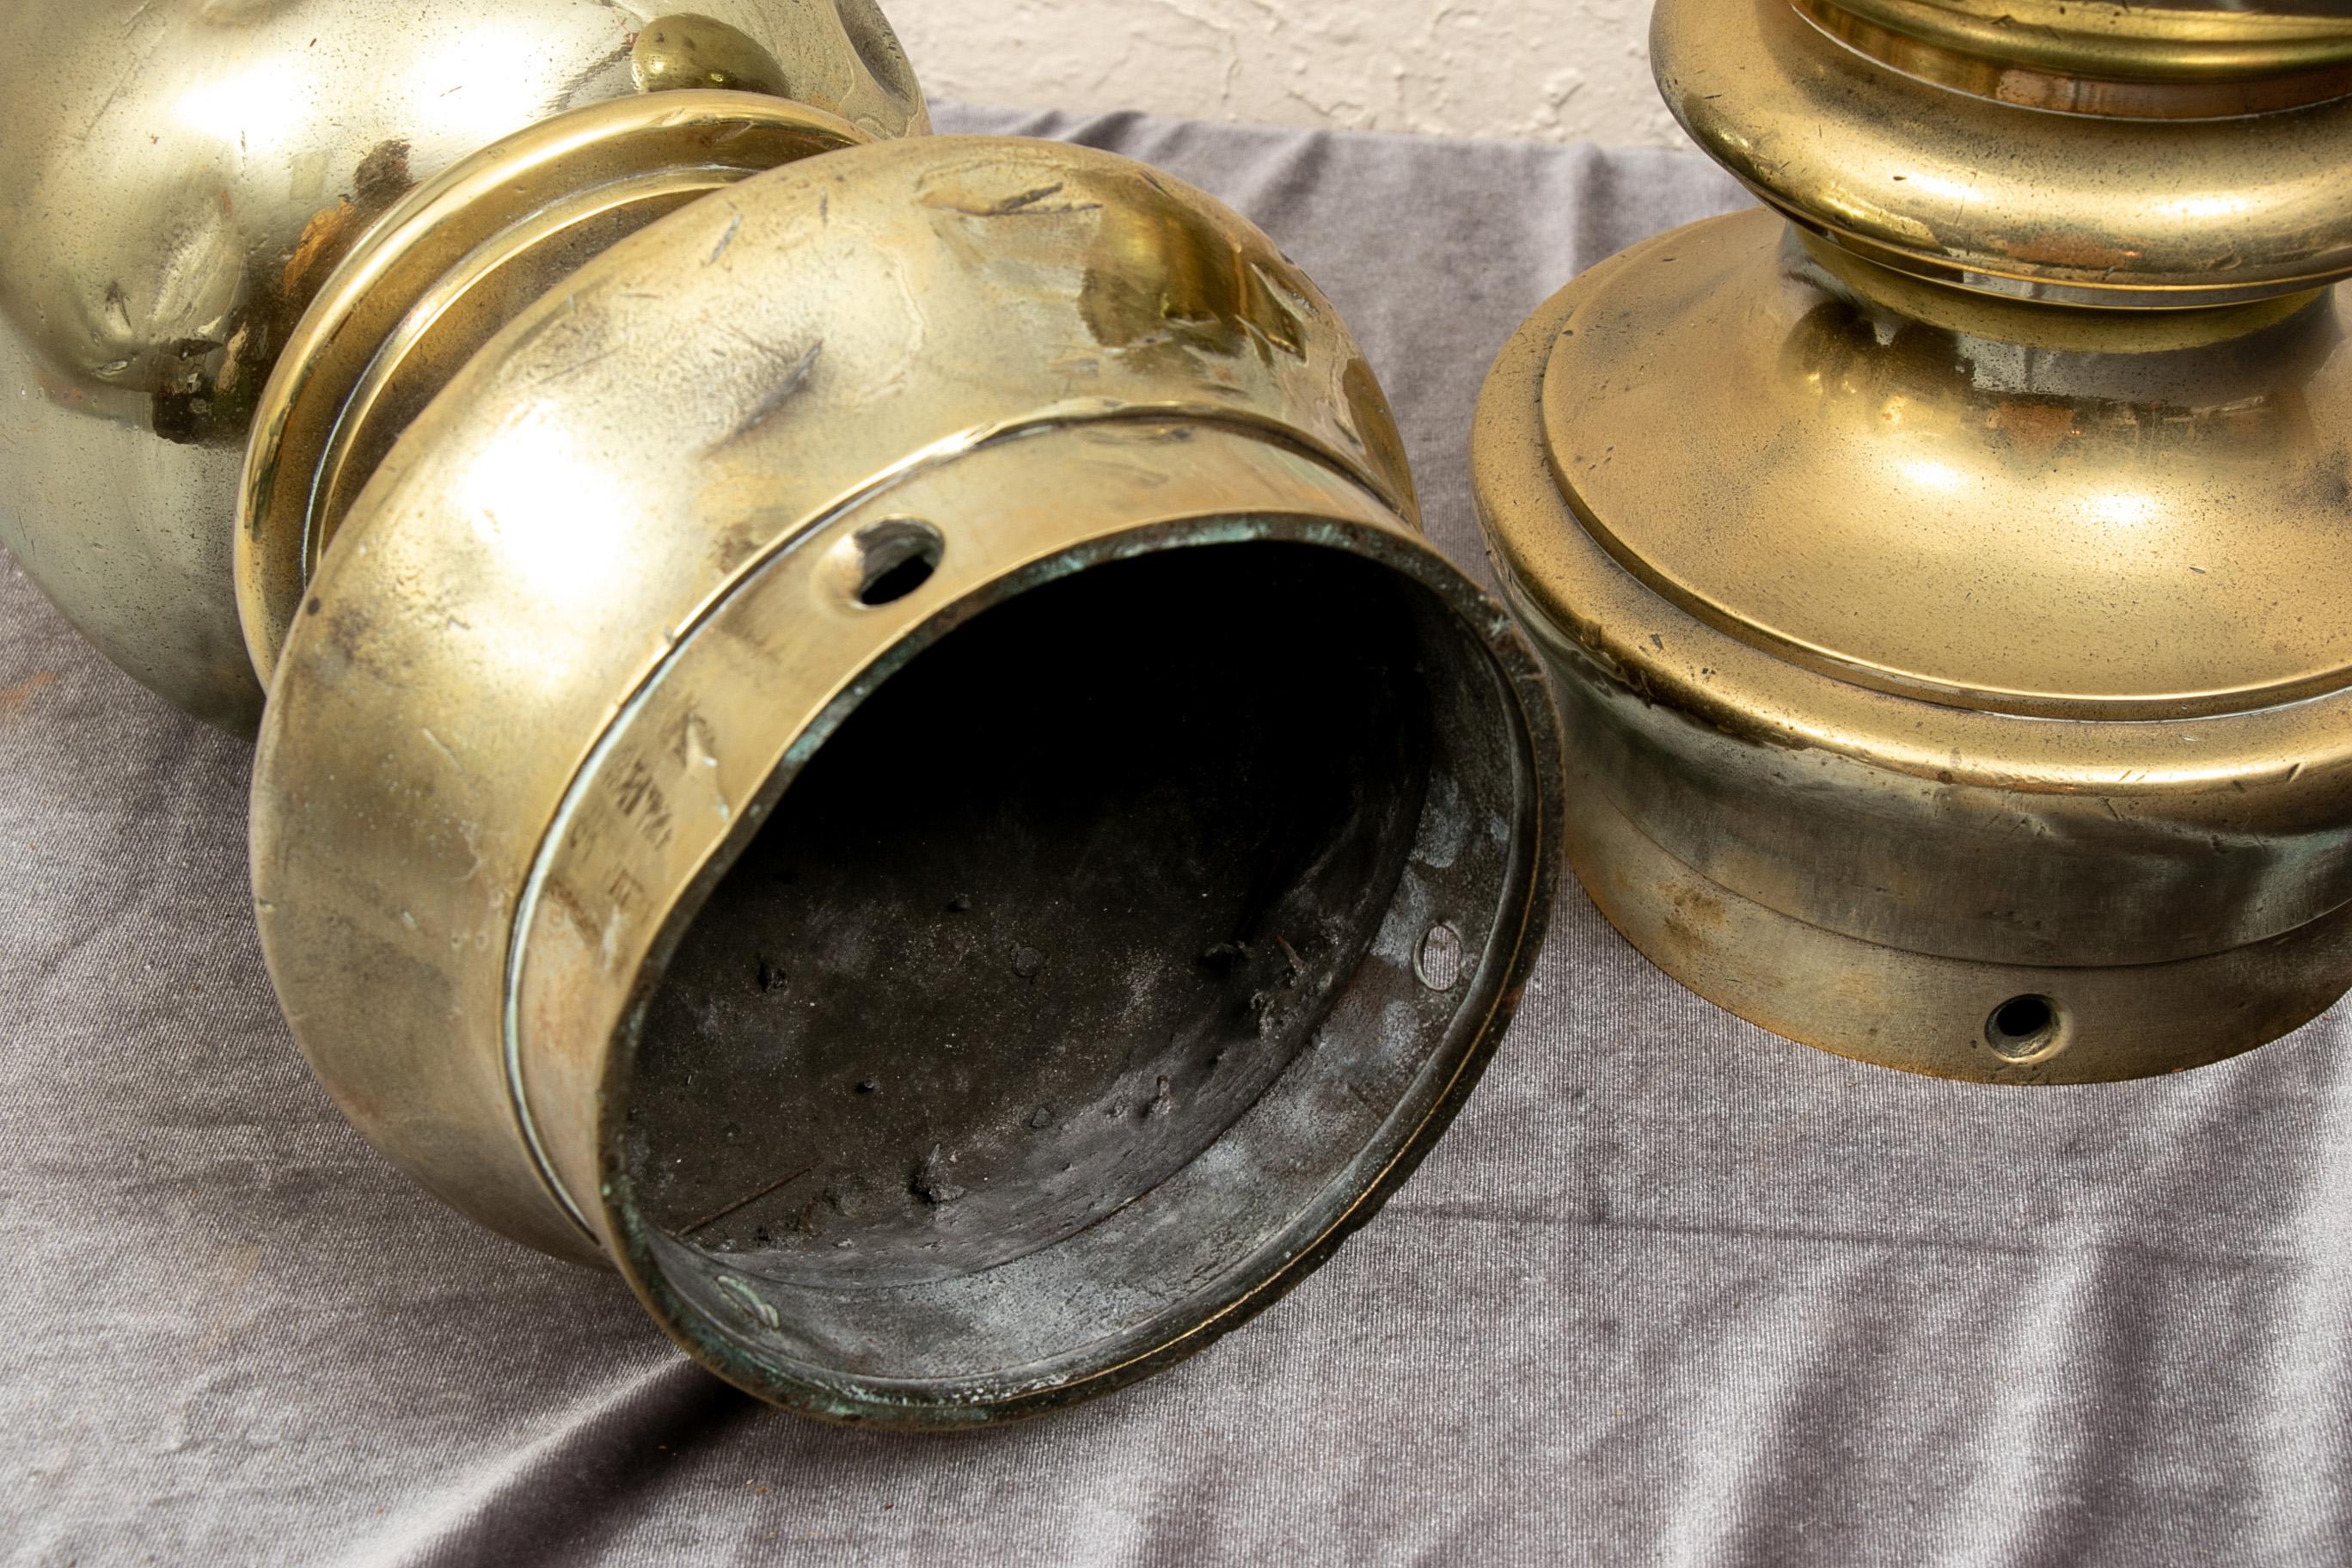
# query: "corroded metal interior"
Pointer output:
{"type": "Point", "coordinates": [1044, 969]}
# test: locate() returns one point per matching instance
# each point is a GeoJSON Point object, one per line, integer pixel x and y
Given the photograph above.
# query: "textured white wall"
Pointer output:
{"type": "Point", "coordinates": [1554, 70]}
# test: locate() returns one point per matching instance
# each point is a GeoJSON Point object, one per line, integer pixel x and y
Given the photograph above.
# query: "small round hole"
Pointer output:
{"type": "Point", "coordinates": [1439, 962]}
{"type": "Point", "coordinates": [2022, 1027]}
{"type": "Point", "coordinates": [894, 558]}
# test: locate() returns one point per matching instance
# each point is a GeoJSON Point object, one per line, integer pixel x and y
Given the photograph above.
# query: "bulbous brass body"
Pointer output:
{"type": "Point", "coordinates": [1949, 575]}
{"type": "Point", "coordinates": [889, 757]}
{"type": "Point", "coordinates": [178, 179]}
{"type": "Point", "coordinates": [861, 729]}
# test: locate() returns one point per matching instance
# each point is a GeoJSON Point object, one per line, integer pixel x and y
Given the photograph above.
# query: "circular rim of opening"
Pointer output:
{"type": "Point", "coordinates": [1486, 994]}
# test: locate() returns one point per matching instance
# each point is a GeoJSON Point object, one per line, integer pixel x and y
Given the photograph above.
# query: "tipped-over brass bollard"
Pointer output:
{"type": "Point", "coordinates": [889, 757]}
{"type": "Point", "coordinates": [1948, 573]}
{"type": "Point", "coordinates": [875, 744]}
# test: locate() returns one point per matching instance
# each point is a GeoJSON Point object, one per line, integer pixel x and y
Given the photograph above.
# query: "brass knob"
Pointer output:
{"type": "Point", "coordinates": [1949, 587]}
{"type": "Point", "coordinates": [180, 180]}
{"type": "Point", "coordinates": [890, 757]}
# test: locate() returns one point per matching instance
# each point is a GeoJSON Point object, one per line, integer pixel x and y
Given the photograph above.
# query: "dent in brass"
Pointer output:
{"type": "Point", "coordinates": [1957, 678]}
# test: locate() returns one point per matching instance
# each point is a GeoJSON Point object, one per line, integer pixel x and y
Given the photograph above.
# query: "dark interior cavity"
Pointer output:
{"type": "Point", "coordinates": [1060, 904]}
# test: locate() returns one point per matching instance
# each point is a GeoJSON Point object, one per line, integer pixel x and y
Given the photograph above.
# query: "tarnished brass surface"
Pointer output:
{"type": "Point", "coordinates": [1956, 681]}
{"type": "Point", "coordinates": [890, 756]}
{"type": "Point", "coordinates": [178, 178]}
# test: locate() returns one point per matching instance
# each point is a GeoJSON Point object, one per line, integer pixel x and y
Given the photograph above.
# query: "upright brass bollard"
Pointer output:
{"type": "Point", "coordinates": [1948, 574]}
{"type": "Point", "coordinates": [861, 729]}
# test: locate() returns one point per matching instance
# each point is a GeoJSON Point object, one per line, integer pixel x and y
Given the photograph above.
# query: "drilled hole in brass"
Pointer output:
{"type": "Point", "coordinates": [1439, 963]}
{"type": "Point", "coordinates": [894, 558]}
{"type": "Point", "coordinates": [2022, 1027]}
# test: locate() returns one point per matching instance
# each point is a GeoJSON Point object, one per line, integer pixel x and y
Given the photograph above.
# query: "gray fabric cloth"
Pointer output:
{"type": "Point", "coordinates": [1672, 1291]}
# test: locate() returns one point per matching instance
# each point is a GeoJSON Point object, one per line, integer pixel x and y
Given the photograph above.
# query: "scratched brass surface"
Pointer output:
{"type": "Point", "coordinates": [178, 177]}
{"type": "Point", "coordinates": [1926, 649]}
{"type": "Point", "coordinates": [635, 566]}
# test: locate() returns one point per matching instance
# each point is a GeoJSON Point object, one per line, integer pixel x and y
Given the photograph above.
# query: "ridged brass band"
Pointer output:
{"type": "Point", "coordinates": [2006, 80]}
{"type": "Point", "coordinates": [2121, 40]}
{"type": "Point", "coordinates": [1990, 196]}
{"type": "Point", "coordinates": [456, 261]}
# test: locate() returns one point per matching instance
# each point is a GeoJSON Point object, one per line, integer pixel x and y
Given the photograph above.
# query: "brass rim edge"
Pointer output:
{"type": "Point", "coordinates": [1500, 984]}
{"type": "Point", "coordinates": [1570, 662]}
{"type": "Point", "coordinates": [275, 533]}
{"type": "Point", "coordinates": [2028, 1072]}
{"type": "Point", "coordinates": [946, 450]}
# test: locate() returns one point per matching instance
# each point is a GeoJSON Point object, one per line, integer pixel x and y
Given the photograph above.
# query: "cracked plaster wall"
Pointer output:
{"type": "Point", "coordinates": [1551, 71]}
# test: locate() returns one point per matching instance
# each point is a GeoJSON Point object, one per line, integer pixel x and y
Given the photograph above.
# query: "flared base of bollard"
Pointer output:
{"type": "Point", "coordinates": [1948, 1017]}
{"type": "Point", "coordinates": [1952, 683]}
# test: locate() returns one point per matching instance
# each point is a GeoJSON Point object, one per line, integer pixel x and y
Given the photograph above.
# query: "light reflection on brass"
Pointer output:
{"type": "Point", "coordinates": [177, 181]}
{"type": "Point", "coordinates": [1942, 624]}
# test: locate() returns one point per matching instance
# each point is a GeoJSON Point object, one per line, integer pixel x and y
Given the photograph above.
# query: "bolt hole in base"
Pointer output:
{"type": "Point", "coordinates": [2023, 1027]}
{"type": "Point", "coordinates": [891, 559]}
{"type": "Point", "coordinates": [1068, 981]}
{"type": "Point", "coordinates": [1439, 962]}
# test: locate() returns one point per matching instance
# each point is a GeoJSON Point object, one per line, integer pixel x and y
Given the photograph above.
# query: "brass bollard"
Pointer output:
{"type": "Point", "coordinates": [1948, 573]}
{"type": "Point", "coordinates": [876, 745]}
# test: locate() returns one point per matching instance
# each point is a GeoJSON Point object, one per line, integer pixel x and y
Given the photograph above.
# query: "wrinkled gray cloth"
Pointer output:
{"type": "Point", "coordinates": [1672, 1292]}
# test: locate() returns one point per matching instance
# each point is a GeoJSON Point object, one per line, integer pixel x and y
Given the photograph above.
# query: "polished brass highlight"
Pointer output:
{"type": "Point", "coordinates": [887, 756]}
{"type": "Point", "coordinates": [438, 278]}
{"type": "Point", "coordinates": [178, 179]}
{"type": "Point", "coordinates": [1950, 586]}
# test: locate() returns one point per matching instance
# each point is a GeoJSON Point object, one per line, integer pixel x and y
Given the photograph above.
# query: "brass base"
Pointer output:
{"type": "Point", "coordinates": [1966, 704]}
{"type": "Point", "coordinates": [1947, 1017]}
